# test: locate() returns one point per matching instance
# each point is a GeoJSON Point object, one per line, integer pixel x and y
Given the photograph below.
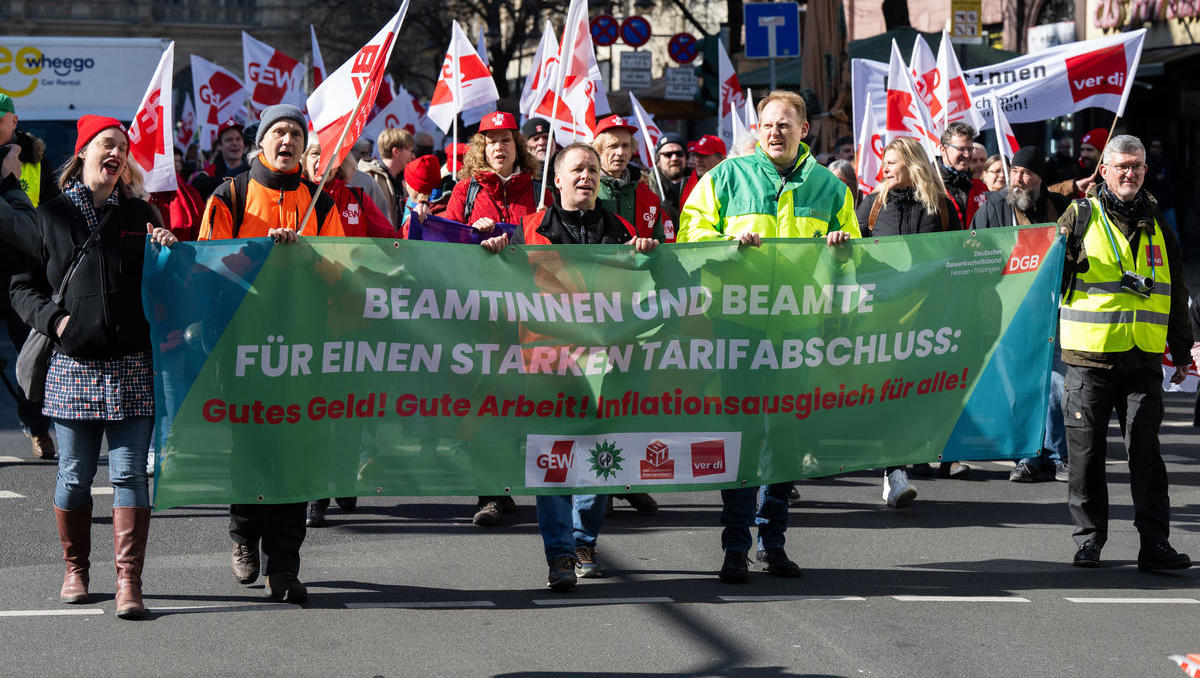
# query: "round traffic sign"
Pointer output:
{"type": "Point", "coordinates": [683, 48]}
{"type": "Point", "coordinates": [635, 31]}
{"type": "Point", "coordinates": [604, 30]}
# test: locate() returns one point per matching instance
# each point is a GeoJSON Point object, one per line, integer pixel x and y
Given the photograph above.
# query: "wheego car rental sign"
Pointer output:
{"type": "Point", "coordinates": [63, 78]}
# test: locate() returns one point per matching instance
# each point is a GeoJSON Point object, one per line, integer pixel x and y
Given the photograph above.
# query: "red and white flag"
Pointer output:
{"type": "Point", "coordinates": [545, 68]}
{"type": "Point", "coordinates": [952, 91]}
{"type": "Point", "coordinates": [272, 77]}
{"type": "Point", "coordinates": [394, 109]}
{"type": "Point", "coordinates": [318, 62]}
{"type": "Point", "coordinates": [220, 96]}
{"type": "Point", "coordinates": [751, 115]}
{"type": "Point", "coordinates": [185, 133]}
{"type": "Point", "coordinates": [732, 99]}
{"type": "Point", "coordinates": [1005, 139]}
{"type": "Point", "coordinates": [150, 144]}
{"type": "Point", "coordinates": [573, 115]}
{"type": "Point", "coordinates": [648, 133]}
{"type": "Point", "coordinates": [465, 82]}
{"type": "Point", "coordinates": [927, 79]}
{"type": "Point", "coordinates": [1189, 663]}
{"type": "Point", "coordinates": [906, 113]}
{"type": "Point", "coordinates": [339, 108]}
{"type": "Point", "coordinates": [474, 114]}
{"type": "Point", "coordinates": [869, 151]}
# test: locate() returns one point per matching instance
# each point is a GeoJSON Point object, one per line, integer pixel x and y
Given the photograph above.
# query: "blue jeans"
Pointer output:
{"type": "Point", "coordinates": [79, 453]}
{"type": "Point", "coordinates": [765, 506]}
{"type": "Point", "coordinates": [567, 521]}
{"type": "Point", "coordinates": [1054, 445]}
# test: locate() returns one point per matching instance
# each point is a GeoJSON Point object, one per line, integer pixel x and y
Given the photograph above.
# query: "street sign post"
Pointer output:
{"type": "Point", "coordinates": [635, 31]}
{"type": "Point", "coordinates": [635, 70]}
{"type": "Point", "coordinates": [772, 31]}
{"type": "Point", "coordinates": [681, 83]}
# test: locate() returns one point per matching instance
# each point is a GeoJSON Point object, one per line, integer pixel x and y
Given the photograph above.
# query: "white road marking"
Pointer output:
{"type": "Point", "coordinates": [768, 599]}
{"type": "Point", "coordinates": [51, 613]}
{"type": "Point", "coordinates": [9, 494]}
{"type": "Point", "coordinates": [423, 604]}
{"type": "Point", "coordinates": [1151, 601]}
{"type": "Point", "coordinates": [600, 601]}
{"type": "Point", "coordinates": [250, 607]}
{"type": "Point", "coordinates": [98, 490]}
{"type": "Point", "coordinates": [961, 599]}
{"type": "Point", "coordinates": [12, 460]}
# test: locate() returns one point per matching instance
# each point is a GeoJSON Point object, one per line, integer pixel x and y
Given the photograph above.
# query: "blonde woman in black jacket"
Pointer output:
{"type": "Point", "coordinates": [910, 199]}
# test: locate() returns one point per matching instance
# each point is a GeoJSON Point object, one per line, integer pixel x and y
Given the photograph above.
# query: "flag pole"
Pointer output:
{"type": "Point", "coordinates": [457, 106]}
{"type": "Point", "coordinates": [554, 113]}
{"type": "Point", "coordinates": [1000, 144]}
{"type": "Point", "coordinates": [312, 204]}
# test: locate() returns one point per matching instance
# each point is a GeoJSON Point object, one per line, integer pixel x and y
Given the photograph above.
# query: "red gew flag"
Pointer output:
{"type": "Point", "coordinates": [339, 108]}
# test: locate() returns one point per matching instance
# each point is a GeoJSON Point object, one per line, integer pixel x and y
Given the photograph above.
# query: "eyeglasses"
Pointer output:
{"type": "Point", "coordinates": [670, 154]}
{"type": "Point", "coordinates": [1135, 168]}
{"type": "Point", "coordinates": [961, 149]}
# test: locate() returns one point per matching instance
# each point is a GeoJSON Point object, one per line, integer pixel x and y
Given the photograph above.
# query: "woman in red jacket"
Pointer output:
{"type": "Point", "coordinates": [499, 187]}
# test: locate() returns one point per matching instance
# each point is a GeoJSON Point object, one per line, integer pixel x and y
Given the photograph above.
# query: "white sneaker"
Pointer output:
{"type": "Point", "coordinates": [897, 491]}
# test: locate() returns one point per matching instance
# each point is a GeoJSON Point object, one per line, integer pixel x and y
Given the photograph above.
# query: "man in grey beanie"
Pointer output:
{"type": "Point", "coordinates": [1025, 200]}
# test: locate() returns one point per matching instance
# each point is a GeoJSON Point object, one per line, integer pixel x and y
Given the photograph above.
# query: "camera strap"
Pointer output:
{"type": "Point", "coordinates": [1133, 247]}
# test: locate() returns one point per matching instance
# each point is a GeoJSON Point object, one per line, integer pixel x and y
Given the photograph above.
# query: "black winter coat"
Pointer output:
{"type": "Point", "coordinates": [104, 299]}
{"type": "Point", "coordinates": [996, 212]}
{"type": "Point", "coordinates": [903, 215]}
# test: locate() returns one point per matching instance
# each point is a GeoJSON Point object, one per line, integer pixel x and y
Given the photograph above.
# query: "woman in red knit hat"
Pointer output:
{"type": "Point", "coordinates": [100, 380]}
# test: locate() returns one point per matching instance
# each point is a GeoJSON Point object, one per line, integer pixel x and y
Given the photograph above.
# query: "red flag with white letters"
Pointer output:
{"type": "Point", "coordinates": [150, 143]}
{"type": "Point", "coordinates": [339, 108]}
{"type": "Point", "coordinates": [272, 77]}
{"type": "Point", "coordinates": [219, 97]}
{"type": "Point", "coordinates": [906, 112]}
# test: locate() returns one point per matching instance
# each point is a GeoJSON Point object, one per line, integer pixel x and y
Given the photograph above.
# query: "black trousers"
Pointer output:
{"type": "Point", "coordinates": [281, 529]}
{"type": "Point", "coordinates": [32, 420]}
{"type": "Point", "coordinates": [1090, 395]}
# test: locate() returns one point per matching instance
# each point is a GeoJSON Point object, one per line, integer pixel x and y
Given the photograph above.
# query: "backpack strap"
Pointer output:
{"type": "Point", "coordinates": [1083, 216]}
{"type": "Point", "coordinates": [472, 193]}
{"type": "Point", "coordinates": [875, 209]}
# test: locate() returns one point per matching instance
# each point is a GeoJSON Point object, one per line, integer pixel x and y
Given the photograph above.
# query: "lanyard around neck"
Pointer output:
{"type": "Point", "coordinates": [1117, 253]}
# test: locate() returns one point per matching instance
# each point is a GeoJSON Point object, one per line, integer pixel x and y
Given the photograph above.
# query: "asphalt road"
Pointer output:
{"type": "Point", "coordinates": [972, 580]}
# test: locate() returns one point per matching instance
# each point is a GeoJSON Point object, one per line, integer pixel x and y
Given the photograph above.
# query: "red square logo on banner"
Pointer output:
{"type": "Point", "coordinates": [1030, 250]}
{"type": "Point", "coordinates": [658, 465]}
{"type": "Point", "coordinates": [1100, 72]}
{"type": "Point", "coordinates": [558, 462]}
{"type": "Point", "coordinates": [708, 458]}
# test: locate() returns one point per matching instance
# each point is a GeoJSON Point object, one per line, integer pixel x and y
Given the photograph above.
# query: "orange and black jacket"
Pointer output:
{"type": "Point", "coordinates": [272, 199]}
{"type": "Point", "coordinates": [556, 226]}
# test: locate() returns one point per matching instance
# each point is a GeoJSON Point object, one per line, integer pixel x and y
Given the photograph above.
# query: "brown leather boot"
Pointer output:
{"type": "Point", "coordinates": [75, 533]}
{"type": "Point", "coordinates": [130, 528]}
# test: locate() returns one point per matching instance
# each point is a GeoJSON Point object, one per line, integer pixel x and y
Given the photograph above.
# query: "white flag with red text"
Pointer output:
{"type": "Point", "coordinates": [339, 108]}
{"type": "Point", "coordinates": [318, 61]}
{"type": "Point", "coordinates": [476, 113]}
{"type": "Point", "coordinates": [465, 82]}
{"type": "Point", "coordinates": [185, 132]}
{"type": "Point", "coordinates": [220, 96]}
{"type": "Point", "coordinates": [952, 91]}
{"type": "Point", "coordinates": [751, 115]}
{"type": "Point", "coordinates": [869, 151]}
{"type": "Point", "coordinates": [272, 77]}
{"type": "Point", "coordinates": [545, 68]}
{"type": "Point", "coordinates": [578, 80]}
{"type": "Point", "coordinates": [150, 143]}
{"type": "Point", "coordinates": [648, 133]}
{"type": "Point", "coordinates": [906, 113]}
{"type": "Point", "coordinates": [732, 99]}
{"type": "Point", "coordinates": [926, 78]}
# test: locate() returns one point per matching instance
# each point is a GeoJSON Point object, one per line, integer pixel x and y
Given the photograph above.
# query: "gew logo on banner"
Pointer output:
{"type": "Point", "coordinates": [1100, 72]}
{"type": "Point", "coordinates": [558, 461]}
{"type": "Point", "coordinates": [1030, 250]}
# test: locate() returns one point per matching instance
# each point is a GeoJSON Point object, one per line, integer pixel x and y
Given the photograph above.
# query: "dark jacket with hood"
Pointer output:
{"type": "Point", "coordinates": [996, 211]}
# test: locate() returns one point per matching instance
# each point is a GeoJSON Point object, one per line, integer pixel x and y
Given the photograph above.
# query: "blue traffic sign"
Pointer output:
{"type": "Point", "coordinates": [635, 31]}
{"type": "Point", "coordinates": [604, 30]}
{"type": "Point", "coordinates": [772, 30]}
{"type": "Point", "coordinates": [682, 48]}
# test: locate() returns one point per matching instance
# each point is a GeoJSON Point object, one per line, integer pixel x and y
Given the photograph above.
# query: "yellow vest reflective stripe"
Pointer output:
{"type": "Point", "coordinates": [31, 180]}
{"type": "Point", "coordinates": [1103, 318]}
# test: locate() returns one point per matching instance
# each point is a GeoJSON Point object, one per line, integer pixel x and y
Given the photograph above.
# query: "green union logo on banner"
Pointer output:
{"type": "Point", "coordinates": [340, 366]}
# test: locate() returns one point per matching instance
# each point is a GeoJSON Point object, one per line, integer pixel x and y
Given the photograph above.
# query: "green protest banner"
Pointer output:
{"type": "Point", "coordinates": [340, 367]}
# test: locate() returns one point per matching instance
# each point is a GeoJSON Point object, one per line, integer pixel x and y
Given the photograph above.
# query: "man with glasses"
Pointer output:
{"type": "Point", "coordinates": [1125, 298]}
{"type": "Point", "coordinates": [958, 142]}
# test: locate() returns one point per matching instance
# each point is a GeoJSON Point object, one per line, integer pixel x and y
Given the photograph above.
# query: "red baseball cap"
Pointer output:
{"type": "Point", "coordinates": [88, 126]}
{"type": "Point", "coordinates": [614, 122]}
{"type": "Point", "coordinates": [708, 145]}
{"type": "Point", "coordinates": [229, 124]}
{"type": "Point", "coordinates": [498, 121]}
{"type": "Point", "coordinates": [1097, 137]}
{"type": "Point", "coordinates": [424, 174]}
